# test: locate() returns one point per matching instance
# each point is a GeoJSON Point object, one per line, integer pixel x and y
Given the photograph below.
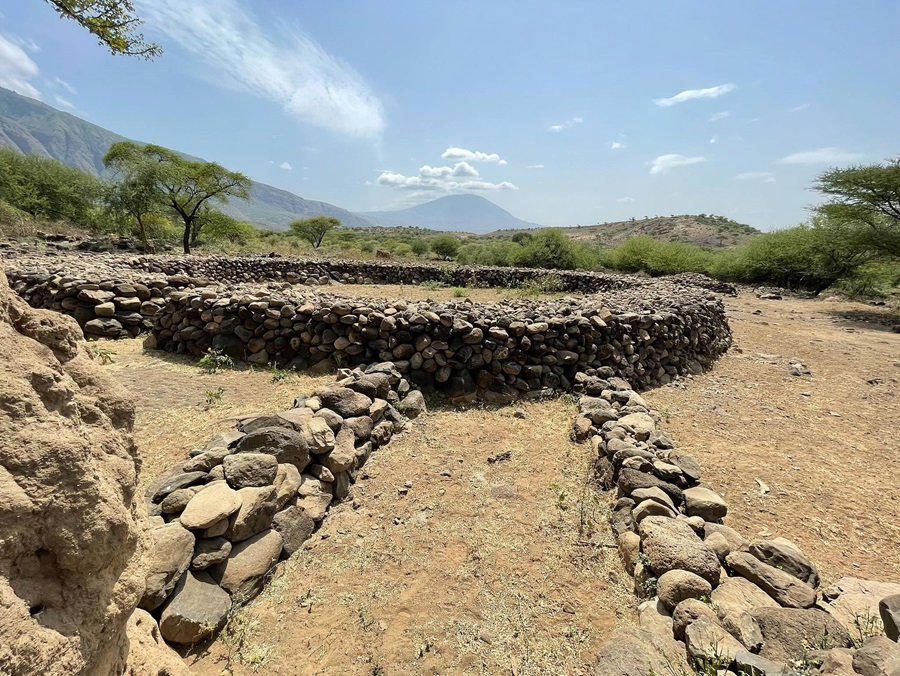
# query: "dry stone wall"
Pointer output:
{"type": "Point", "coordinates": [712, 598]}
{"type": "Point", "coordinates": [253, 495]}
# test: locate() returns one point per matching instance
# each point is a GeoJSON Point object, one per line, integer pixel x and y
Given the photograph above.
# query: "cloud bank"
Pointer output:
{"type": "Point", "coordinates": [665, 163]}
{"type": "Point", "coordinates": [287, 68]}
{"type": "Point", "coordinates": [687, 95]}
{"type": "Point", "coordinates": [17, 68]}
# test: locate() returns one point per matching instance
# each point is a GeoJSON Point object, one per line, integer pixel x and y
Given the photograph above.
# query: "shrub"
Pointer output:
{"type": "Point", "coordinates": [549, 248]}
{"type": "Point", "coordinates": [445, 246]}
{"type": "Point", "coordinates": [420, 246]}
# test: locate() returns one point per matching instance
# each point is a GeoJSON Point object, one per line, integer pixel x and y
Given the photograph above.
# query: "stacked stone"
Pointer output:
{"type": "Point", "coordinates": [253, 495]}
{"type": "Point", "coordinates": [494, 351]}
{"type": "Point", "coordinates": [711, 596]}
{"type": "Point", "coordinates": [105, 305]}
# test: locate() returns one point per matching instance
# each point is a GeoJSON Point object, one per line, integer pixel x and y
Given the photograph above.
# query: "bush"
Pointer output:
{"type": "Point", "coordinates": [549, 248]}
{"type": "Point", "coordinates": [420, 246]}
{"type": "Point", "coordinates": [645, 254]}
{"type": "Point", "coordinates": [445, 246]}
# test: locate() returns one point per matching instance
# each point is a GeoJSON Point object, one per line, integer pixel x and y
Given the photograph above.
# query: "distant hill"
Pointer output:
{"type": "Point", "coordinates": [457, 213]}
{"type": "Point", "coordinates": [35, 128]}
{"type": "Point", "coordinates": [713, 232]}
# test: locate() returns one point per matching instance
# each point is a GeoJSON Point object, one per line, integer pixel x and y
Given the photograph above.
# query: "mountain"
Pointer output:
{"type": "Point", "coordinates": [35, 128]}
{"type": "Point", "coordinates": [709, 231]}
{"type": "Point", "coordinates": [466, 213]}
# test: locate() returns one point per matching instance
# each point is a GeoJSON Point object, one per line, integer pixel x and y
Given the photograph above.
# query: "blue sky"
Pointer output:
{"type": "Point", "coordinates": [563, 113]}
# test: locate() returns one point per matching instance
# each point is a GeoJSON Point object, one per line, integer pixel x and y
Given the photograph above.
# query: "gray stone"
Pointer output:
{"type": "Point", "coordinates": [412, 405]}
{"type": "Point", "coordinates": [176, 501]}
{"type": "Point", "coordinates": [317, 434]}
{"type": "Point", "coordinates": [706, 504]}
{"type": "Point", "coordinates": [653, 493]}
{"type": "Point", "coordinates": [709, 644]}
{"type": "Point", "coordinates": [740, 624]}
{"type": "Point", "coordinates": [879, 656]}
{"type": "Point", "coordinates": [687, 612]}
{"type": "Point", "coordinates": [245, 470]}
{"type": "Point", "coordinates": [783, 587]}
{"type": "Point", "coordinates": [641, 423]}
{"type": "Point", "coordinates": [671, 544]}
{"type": "Point", "coordinates": [630, 651]}
{"type": "Point", "coordinates": [197, 609]}
{"type": "Point", "coordinates": [205, 461]}
{"type": "Point", "coordinates": [750, 664]}
{"type": "Point", "coordinates": [172, 481]}
{"type": "Point", "coordinates": [853, 598]}
{"type": "Point", "coordinates": [621, 520]}
{"type": "Point", "coordinates": [345, 402]}
{"type": "Point", "coordinates": [719, 544]}
{"type": "Point", "coordinates": [210, 551]}
{"type": "Point", "coordinates": [675, 586]}
{"type": "Point", "coordinates": [295, 527]}
{"type": "Point", "coordinates": [361, 427]}
{"type": "Point", "coordinates": [651, 508]}
{"type": "Point", "coordinates": [742, 593]}
{"type": "Point", "coordinates": [631, 479]}
{"type": "Point", "coordinates": [343, 456]}
{"type": "Point", "coordinates": [788, 632]}
{"type": "Point", "coordinates": [168, 556]}
{"type": "Point", "coordinates": [249, 560]}
{"type": "Point", "coordinates": [287, 482]}
{"type": "Point", "coordinates": [255, 513]}
{"type": "Point", "coordinates": [785, 555]}
{"type": "Point", "coordinates": [837, 662]}
{"type": "Point", "coordinates": [889, 610]}
{"type": "Point", "coordinates": [653, 617]}
{"type": "Point", "coordinates": [214, 503]}
{"type": "Point", "coordinates": [689, 467]}
{"type": "Point", "coordinates": [285, 444]}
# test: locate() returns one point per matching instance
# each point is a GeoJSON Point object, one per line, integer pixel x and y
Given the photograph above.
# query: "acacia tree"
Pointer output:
{"type": "Point", "coordinates": [186, 186]}
{"type": "Point", "coordinates": [113, 22]}
{"type": "Point", "coordinates": [445, 246]}
{"type": "Point", "coordinates": [867, 197]}
{"type": "Point", "coordinates": [137, 193]}
{"type": "Point", "coordinates": [313, 230]}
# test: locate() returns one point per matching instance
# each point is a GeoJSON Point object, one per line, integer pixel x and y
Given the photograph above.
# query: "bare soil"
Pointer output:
{"type": "Point", "coordinates": [508, 567]}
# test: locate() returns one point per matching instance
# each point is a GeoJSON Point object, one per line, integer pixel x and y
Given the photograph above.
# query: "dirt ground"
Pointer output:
{"type": "Point", "coordinates": [508, 567]}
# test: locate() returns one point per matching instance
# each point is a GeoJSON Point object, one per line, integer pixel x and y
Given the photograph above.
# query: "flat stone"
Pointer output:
{"type": "Point", "coordinates": [689, 467]}
{"type": "Point", "coordinates": [345, 402]}
{"type": "Point", "coordinates": [316, 506]}
{"type": "Point", "coordinates": [783, 587]}
{"type": "Point", "coordinates": [249, 560]}
{"type": "Point", "coordinates": [176, 501]}
{"type": "Point", "coordinates": [210, 551]}
{"type": "Point", "coordinates": [879, 656]}
{"type": "Point", "coordinates": [788, 632]}
{"type": "Point", "coordinates": [641, 423]}
{"type": "Point", "coordinates": [287, 445]}
{"type": "Point", "coordinates": [652, 508]}
{"type": "Point", "coordinates": [630, 651]}
{"type": "Point", "coordinates": [785, 555]}
{"type": "Point", "coordinates": [168, 556]}
{"type": "Point", "coordinates": [214, 503]}
{"type": "Point", "coordinates": [244, 470]}
{"type": "Point", "coordinates": [709, 644]}
{"type": "Point", "coordinates": [652, 493]}
{"type": "Point", "coordinates": [851, 598]}
{"type": "Point", "coordinates": [742, 593]}
{"type": "Point", "coordinates": [412, 405]}
{"type": "Point", "coordinates": [740, 624]}
{"type": "Point", "coordinates": [687, 612]}
{"type": "Point", "coordinates": [655, 618]}
{"type": "Point", "coordinates": [343, 456]}
{"type": "Point", "coordinates": [706, 504]}
{"type": "Point", "coordinates": [631, 479]}
{"type": "Point", "coordinates": [675, 586]}
{"type": "Point", "coordinates": [671, 544]}
{"type": "Point", "coordinates": [317, 434]}
{"type": "Point", "coordinates": [197, 609]}
{"type": "Point", "coordinates": [295, 527]}
{"type": "Point", "coordinates": [750, 664]}
{"type": "Point", "coordinates": [255, 513]}
{"type": "Point", "coordinates": [172, 482]}
{"type": "Point", "coordinates": [287, 482]}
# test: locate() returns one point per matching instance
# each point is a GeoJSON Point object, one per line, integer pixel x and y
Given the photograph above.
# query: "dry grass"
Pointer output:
{"type": "Point", "coordinates": [437, 293]}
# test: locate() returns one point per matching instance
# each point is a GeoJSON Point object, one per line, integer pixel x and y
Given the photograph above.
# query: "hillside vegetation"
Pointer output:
{"type": "Point", "coordinates": [709, 231]}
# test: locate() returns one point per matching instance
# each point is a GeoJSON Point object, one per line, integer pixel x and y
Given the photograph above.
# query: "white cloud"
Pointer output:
{"type": "Point", "coordinates": [820, 156]}
{"type": "Point", "coordinates": [288, 68]}
{"type": "Point", "coordinates": [458, 170]}
{"type": "Point", "coordinates": [442, 184]}
{"type": "Point", "coordinates": [797, 109]}
{"type": "Point", "coordinates": [568, 124]}
{"type": "Point", "coordinates": [63, 102]}
{"type": "Point", "coordinates": [714, 139]}
{"type": "Point", "coordinates": [665, 163]}
{"type": "Point", "coordinates": [687, 95]}
{"type": "Point", "coordinates": [472, 156]}
{"type": "Point", "coordinates": [65, 85]}
{"type": "Point", "coordinates": [719, 116]}
{"type": "Point", "coordinates": [616, 145]}
{"type": "Point", "coordinates": [17, 68]}
{"type": "Point", "coordinates": [763, 176]}
{"type": "Point", "coordinates": [285, 165]}
{"type": "Point", "coordinates": [625, 199]}
{"type": "Point", "coordinates": [535, 166]}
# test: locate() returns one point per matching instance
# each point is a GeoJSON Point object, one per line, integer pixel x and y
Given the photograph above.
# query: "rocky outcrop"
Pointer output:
{"type": "Point", "coordinates": [72, 537]}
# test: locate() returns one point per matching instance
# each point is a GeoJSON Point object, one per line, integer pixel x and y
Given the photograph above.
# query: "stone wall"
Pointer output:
{"type": "Point", "coordinates": [714, 599]}
{"type": "Point", "coordinates": [253, 495]}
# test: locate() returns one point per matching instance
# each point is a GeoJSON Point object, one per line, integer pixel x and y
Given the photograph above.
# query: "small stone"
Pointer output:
{"type": "Point", "coordinates": [210, 551]}
{"type": "Point", "coordinates": [889, 610]}
{"type": "Point", "coordinates": [706, 504]}
{"type": "Point", "coordinates": [675, 586]}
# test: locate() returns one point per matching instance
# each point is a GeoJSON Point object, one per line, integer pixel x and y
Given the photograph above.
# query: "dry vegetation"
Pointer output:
{"type": "Point", "coordinates": [508, 567]}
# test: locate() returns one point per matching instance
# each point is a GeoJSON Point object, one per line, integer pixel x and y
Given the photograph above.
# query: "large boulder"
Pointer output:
{"type": "Point", "coordinates": [255, 514]}
{"type": "Point", "coordinates": [248, 562]}
{"type": "Point", "coordinates": [71, 570]}
{"type": "Point", "coordinates": [345, 402]}
{"type": "Point", "coordinates": [197, 609]}
{"type": "Point", "coordinates": [286, 444]}
{"type": "Point", "coordinates": [783, 587]}
{"type": "Point", "coordinates": [709, 644]}
{"type": "Point", "coordinates": [742, 594]}
{"type": "Point", "coordinates": [295, 527]}
{"type": "Point", "coordinates": [878, 656]}
{"type": "Point", "coordinates": [169, 555]}
{"type": "Point", "coordinates": [785, 555]}
{"type": "Point", "coordinates": [788, 632]}
{"type": "Point", "coordinates": [631, 651]}
{"type": "Point", "coordinates": [675, 586]}
{"type": "Point", "coordinates": [853, 599]}
{"type": "Point", "coordinates": [243, 470]}
{"type": "Point", "coordinates": [215, 502]}
{"type": "Point", "coordinates": [671, 544]}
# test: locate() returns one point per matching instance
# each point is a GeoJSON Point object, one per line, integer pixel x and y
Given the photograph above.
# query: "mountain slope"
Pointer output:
{"type": "Point", "coordinates": [35, 128]}
{"type": "Point", "coordinates": [467, 213]}
{"type": "Point", "coordinates": [713, 232]}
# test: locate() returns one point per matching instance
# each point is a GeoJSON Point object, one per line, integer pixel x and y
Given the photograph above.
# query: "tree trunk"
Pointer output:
{"type": "Point", "coordinates": [143, 230]}
{"type": "Point", "coordinates": [186, 239]}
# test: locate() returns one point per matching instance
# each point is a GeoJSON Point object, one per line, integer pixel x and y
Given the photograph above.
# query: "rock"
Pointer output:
{"type": "Point", "coordinates": [168, 556]}
{"type": "Point", "coordinates": [295, 527]}
{"type": "Point", "coordinates": [176, 501]}
{"type": "Point", "coordinates": [889, 610]}
{"type": "Point", "coordinates": [172, 482]}
{"type": "Point", "coordinates": [653, 493]}
{"type": "Point", "coordinates": [345, 402]}
{"type": "Point", "coordinates": [343, 457]}
{"type": "Point", "coordinates": [785, 555]}
{"type": "Point", "coordinates": [207, 460]}
{"type": "Point", "coordinates": [249, 560]}
{"type": "Point", "coordinates": [631, 652]}
{"type": "Point", "coordinates": [783, 587]}
{"type": "Point", "coordinates": [210, 551]}
{"type": "Point", "coordinates": [214, 503]}
{"type": "Point", "coordinates": [851, 599]}
{"type": "Point", "coordinates": [631, 479]}
{"type": "Point", "coordinates": [878, 656]}
{"type": "Point", "coordinates": [651, 508]}
{"type": "Point", "coordinates": [244, 470]}
{"type": "Point", "coordinates": [689, 467]}
{"type": "Point", "coordinates": [361, 426]}
{"type": "Point", "coordinates": [653, 617]}
{"type": "Point", "coordinates": [688, 611]}
{"type": "Point", "coordinates": [740, 624]}
{"type": "Point", "coordinates": [721, 546]}
{"type": "Point", "coordinates": [837, 662]}
{"type": "Point", "coordinates": [749, 664]}
{"type": "Point", "coordinates": [735, 540]}
{"type": "Point", "coordinates": [629, 549]}
{"type": "Point", "coordinates": [216, 530]}
{"type": "Point", "coordinates": [318, 435]}
{"type": "Point", "coordinates": [287, 482]}
{"type": "Point", "coordinates": [255, 513]}
{"type": "Point", "coordinates": [709, 644]}
{"type": "Point", "coordinates": [197, 609]}
{"type": "Point", "coordinates": [412, 405]}
{"type": "Point", "coordinates": [743, 594]}
{"type": "Point", "coordinates": [706, 504]}
{"type": "Point", "coordinates": [788, 632]}
{"type": "Point", "coordinates": [675, 586]}
{"type": "Point", "coordinates": [641, 423]}
{"type": "Point", "coordinates": [671, 544]}
{"type": "Point", "coordinates": [621, 520]}
{"type": "Point", "coordinates": [148, 653]}
{"type": "Point", "coordinates": [285, 444]}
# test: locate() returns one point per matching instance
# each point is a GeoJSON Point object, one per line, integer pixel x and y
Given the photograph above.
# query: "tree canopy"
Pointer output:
{"type": "Point", "coordinates": [113, 22]}
{"type": "Point", "coordinates": [185, 186]}
{"type": "Point", "coordinates": [445, 246]}
{"type": "Point", "coordinates": [867, 197]}
{"type": "Point", "coordinates": [314, 229]}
